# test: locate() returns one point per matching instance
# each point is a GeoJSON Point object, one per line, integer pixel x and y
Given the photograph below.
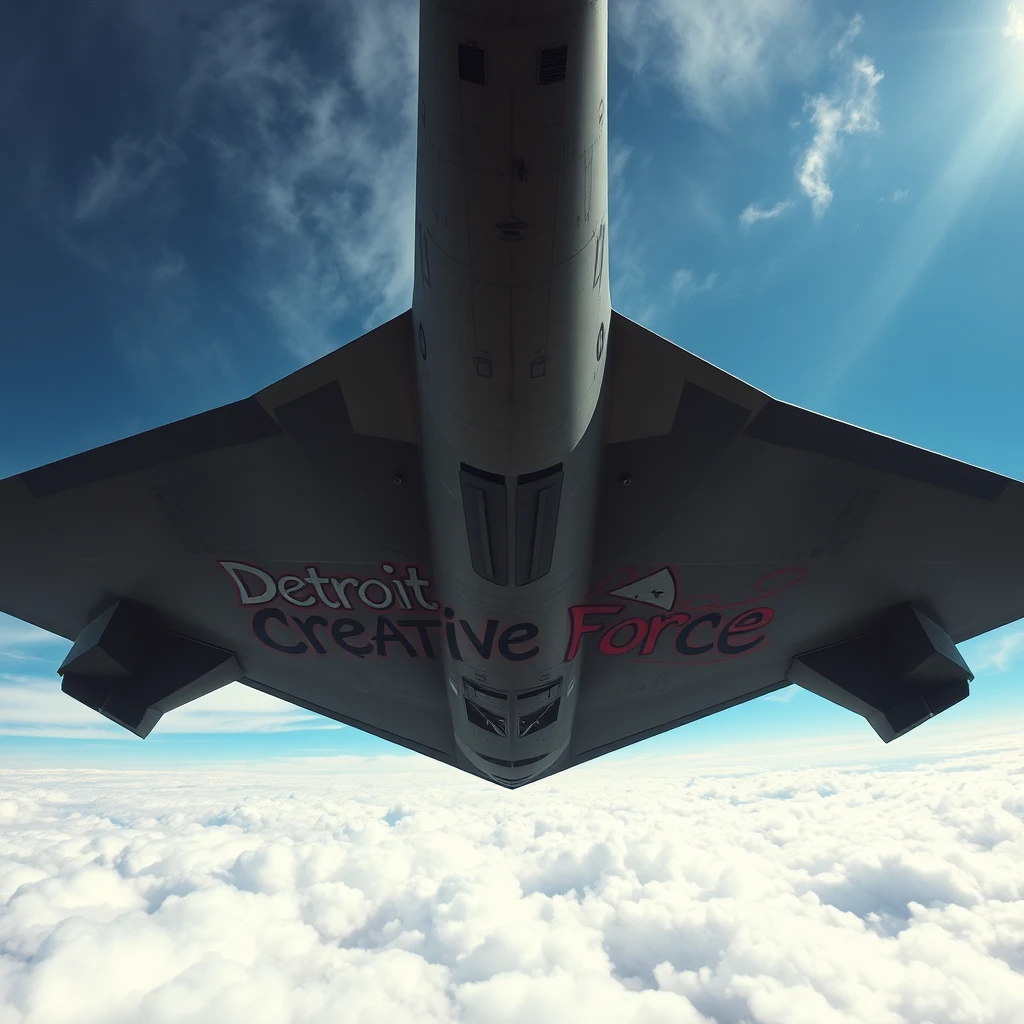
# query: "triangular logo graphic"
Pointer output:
{"type": "Point", "coordinates": [658, 589]}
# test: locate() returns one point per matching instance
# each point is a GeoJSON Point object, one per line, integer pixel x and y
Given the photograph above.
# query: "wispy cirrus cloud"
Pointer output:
{"type": "Point", "coordinates": [718, 57]}
{"type": "Point", "coordinates": [851, 108]}
{"type": "Point", "coordinates": [322, 162]}
{"type": "Point", "coordinates": [294, 121]}
{"type": "Point", "coordinates": [15, 635]}
{"type": "Point", "coordinates": [854, 29]}
{"type": "Point", "coordinates": [850, 111]}
{"type": "Point", "coordinates": [1001, 652]}
{"type": "Point", "coordinates": [132, 167]}
{"type": "Point", "coordinates": [628, 243]}
{"type": "Point", "coordinates": [686, 284]}
{"type": "Point", "coordinates": [755, 212]}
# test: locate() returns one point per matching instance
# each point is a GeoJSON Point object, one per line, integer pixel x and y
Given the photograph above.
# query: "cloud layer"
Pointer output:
{"type": "Point", "coordinates": [815, 896]}
{"type": "Point", "coordinates": [30, 706]}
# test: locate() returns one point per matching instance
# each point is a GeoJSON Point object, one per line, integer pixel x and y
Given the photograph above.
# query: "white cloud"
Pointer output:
{"type": "Point", "coordinates": [718, 57]}
{"type": "Point", "coordinates": [323, 163]}
{"type": "Point", "coordinates": [300, 118]}
{"type": "Point", "coordinates": [852, 111]}
{"type": "Point", "coordinates": [629, 242]}
{"type": "Point", "coordinates": [848, 110]}
{"type": "Point", "coordinates": [618, 160]}
{"type": "Point", "coordinates": [168, 266]}
{"type": "Point", "coordinates": [900, 195]}
{"type": "Point", "coordinates": [15, 635]}
{"type": "Point", "coordinates": [30, 706]}
{"type": "Point", "coordinates": [1014, 27]}
{"type": "Point", "coordinates": [783, 696]}
{"type": "Point", "coordinates": [612, 893]}
{"type": "Point", "coordinates": [1001, 651]}
{"type": "Point", "coordinates": [853, 30]}
{"type": "Point", "coordinates": [755, 211]}
{"type": "Point", "coordinates": [133, 167]}
{"type": "Point", "coordinates": [685, 285]}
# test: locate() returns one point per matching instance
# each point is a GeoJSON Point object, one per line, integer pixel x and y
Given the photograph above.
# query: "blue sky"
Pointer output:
{"type": "Point", "coordinates": [198, 198]}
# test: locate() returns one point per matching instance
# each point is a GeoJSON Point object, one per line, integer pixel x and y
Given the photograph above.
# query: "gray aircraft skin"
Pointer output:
{"type": "Point", "coordinates": [510, 528]}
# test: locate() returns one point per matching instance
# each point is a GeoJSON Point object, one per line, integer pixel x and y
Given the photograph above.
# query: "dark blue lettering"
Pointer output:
{"type": "Point", "coordinates": [259, 628]}
{"type": "Point", "coordinates": [745, 622]}
{"type": "Point", "coordinates": [485, 646]}
{"type": "Point", "coordinates": [712, 619]}
{"type": "Point", "coordinates": [308, 627]}
{"type": "Point", "coordinates": [344, 629]}
{"type": "Point", "coordinates": [520, 633]}
{"type": "Point", "coordinates": [421, 626]}
{"type": "Point", "coordinates": [387, 633]}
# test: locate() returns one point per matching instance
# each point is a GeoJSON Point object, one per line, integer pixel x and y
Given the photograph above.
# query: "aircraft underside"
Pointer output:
{"type": "Point", "coordinates": [511, 529]}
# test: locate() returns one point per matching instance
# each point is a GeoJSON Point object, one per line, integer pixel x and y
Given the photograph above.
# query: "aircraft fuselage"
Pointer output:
{"type": "Point", "coordinates": [511, 308]}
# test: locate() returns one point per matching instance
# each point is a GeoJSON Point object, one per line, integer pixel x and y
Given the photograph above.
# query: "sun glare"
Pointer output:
{"type": "Point", "coordinates": [1014, 29]}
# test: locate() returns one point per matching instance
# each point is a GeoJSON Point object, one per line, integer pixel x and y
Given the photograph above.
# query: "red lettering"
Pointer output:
{"type": "Point", "coordinates": [579, 627]}
{"type": "Point", "coordinates": [639, 631]}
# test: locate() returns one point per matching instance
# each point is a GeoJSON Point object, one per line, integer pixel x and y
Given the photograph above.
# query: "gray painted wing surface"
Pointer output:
{"type": "Point", "coordinates": [749, 504]}
{"type": "Point", "coordinates": [303, 474]}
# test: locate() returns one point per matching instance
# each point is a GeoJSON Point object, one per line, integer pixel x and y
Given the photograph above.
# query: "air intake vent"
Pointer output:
{"type": "Point", "coordinates": [537, 498]}
{"type": "Point", "coordinates": [552, 65]}
{"type": "Point", "coordinates": [483, 502]}
{"type": "Point", "coordinates": [473, 66]}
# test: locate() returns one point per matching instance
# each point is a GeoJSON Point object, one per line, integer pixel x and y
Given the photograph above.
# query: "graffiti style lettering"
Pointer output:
{"type": "Point", "coordinates": [245, 595]}
{"type": "Point", "coordinates": [449, 635]}
{"type": "Point", "coordinates": [289, 586]}
{"type": "Point", "coordinates": [316, 581]}
{"type": "Point", "coordinates": [418, 586]}
{"type": "Point", "coordinates": [403, 597]}
{"type": "Point", "coordinates": [483, 647]}
{"type": "Point", "coordinates": [308, 627]}
{"type": "Point", "coordinates": [742, 624]}
{"type": "Point", "coordinates": [387, 599]}
{"type": "Point", "coordinates": [339, 588]}
{"type": "Point", "coordinates": [520, 633]}
{"type": "Point", "coordinates": [342, 630]}
{"type": "Point", "coordinates": [256, 586]}
{"type": "Point", "coordinates": [641, 636]}
{"type": "Point", "coordinates": [657, 624]}
{"type": "Point", "coordinates": [421, 626]}
{"type": "Point", "coordinates": [637, 631]}
{"type": "Point", "coordinates": [713, 619]}
{"type": "Point", "coordinates": [259, 628]}
{"type": "Point", "coordinates": [579, 627]}
{"type": "Point", "coordinates": [696, 625]}
{"type": "Point", "coordinates": [387, 633]}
